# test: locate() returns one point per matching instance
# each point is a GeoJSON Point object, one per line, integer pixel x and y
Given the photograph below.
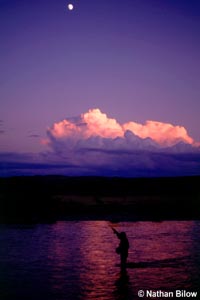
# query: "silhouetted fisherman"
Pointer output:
{"type": "Point", "coordinates": [123, 247]}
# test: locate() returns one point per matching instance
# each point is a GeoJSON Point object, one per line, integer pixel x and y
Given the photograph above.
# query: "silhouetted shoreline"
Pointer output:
{"type": "Point", "coordinates": [44, 199]}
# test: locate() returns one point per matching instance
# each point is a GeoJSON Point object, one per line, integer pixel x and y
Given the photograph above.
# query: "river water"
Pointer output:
{"type": "Point", "coordinates": [72, 260]}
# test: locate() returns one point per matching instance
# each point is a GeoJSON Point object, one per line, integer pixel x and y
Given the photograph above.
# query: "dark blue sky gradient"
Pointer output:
{"type": "Point", "coordinates": [136, 60]}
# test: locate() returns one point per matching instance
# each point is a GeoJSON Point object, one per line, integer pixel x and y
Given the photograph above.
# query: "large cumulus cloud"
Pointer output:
{"type": "Point", "coordinates": [94, 129]}
{"type": "Point", "coordinates": [94, 123]}
{"type": "Point", "coordinates": [102, 145]}
{"type": "Point", "coordinates": [94, 144]}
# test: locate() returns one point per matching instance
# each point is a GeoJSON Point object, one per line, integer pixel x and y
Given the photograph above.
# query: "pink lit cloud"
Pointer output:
{"type": "Point", "coordinates": [94, 123]}
{"type": "Point", "coordinates": [94, 144]}
{"type": "Point", "coordinates": [98, 145]}
{"type": "Point", "coordinates": [163, 133]}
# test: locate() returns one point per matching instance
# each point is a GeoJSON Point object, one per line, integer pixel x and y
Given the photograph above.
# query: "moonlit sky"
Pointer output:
{"type": "Point", "coordinates": [135, 60]}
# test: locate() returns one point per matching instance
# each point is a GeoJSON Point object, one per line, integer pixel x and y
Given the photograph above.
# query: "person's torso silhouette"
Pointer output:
{"type": "Point", "coordinates": [123, 247]}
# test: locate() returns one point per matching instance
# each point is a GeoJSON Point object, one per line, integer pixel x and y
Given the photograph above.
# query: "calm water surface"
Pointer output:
{"type": "Point", "coordinates": [77, 260]}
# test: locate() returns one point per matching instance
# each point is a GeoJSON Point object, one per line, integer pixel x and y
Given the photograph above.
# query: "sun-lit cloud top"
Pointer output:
{"type": "Point", "coordinates": [93, 144]}
{"type": "Point", "coordinates": [94, 123]}
{"type": "Point", "coordinates": [91, 123]}
{"type": "Point", "coordinates": [163, 133]}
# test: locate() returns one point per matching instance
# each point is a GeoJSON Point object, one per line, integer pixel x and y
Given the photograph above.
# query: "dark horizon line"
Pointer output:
{"type": "Point", "coordinates": [101, 176]}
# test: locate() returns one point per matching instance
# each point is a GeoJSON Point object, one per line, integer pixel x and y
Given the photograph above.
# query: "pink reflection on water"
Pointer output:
{"type": "Point", "coordinates": [98, 252]}
{"type": "Point", "coordinates": [82, 255]}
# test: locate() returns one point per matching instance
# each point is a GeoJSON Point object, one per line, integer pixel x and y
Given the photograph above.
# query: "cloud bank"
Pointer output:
{"type": "Point", "coordinates": [94, 123]}
{"type": "Point", "coordinates": [94, 144]}
{"type": "Point", "coordinates": [94, 130]}
{"type": "Point", "coordinates": [100, 145]}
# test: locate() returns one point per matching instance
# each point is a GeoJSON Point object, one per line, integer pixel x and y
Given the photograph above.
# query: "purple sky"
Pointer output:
{"type": "Point", "coordinates": [136, 60]}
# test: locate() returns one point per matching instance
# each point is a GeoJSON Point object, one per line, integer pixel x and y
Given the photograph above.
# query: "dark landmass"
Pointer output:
{"type": "Point", "coordinates": [39, 199]}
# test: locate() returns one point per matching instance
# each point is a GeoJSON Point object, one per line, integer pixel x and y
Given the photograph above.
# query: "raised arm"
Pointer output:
{"type": "Point", "coordinates": [116, 232]}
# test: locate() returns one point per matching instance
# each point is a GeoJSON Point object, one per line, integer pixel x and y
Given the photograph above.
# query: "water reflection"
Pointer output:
{"type": "Point", "coordinates": [77, 260]}
{"type": "Point", "coordinates": [96, 251]}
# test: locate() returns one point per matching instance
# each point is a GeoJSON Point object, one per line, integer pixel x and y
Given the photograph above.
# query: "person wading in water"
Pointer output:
{"type": "Point", "coordinates": [123, 247]}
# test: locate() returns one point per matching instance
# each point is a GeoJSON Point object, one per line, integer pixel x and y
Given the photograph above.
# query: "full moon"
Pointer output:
{"type": "Point", "coordinates": [70, 6]}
